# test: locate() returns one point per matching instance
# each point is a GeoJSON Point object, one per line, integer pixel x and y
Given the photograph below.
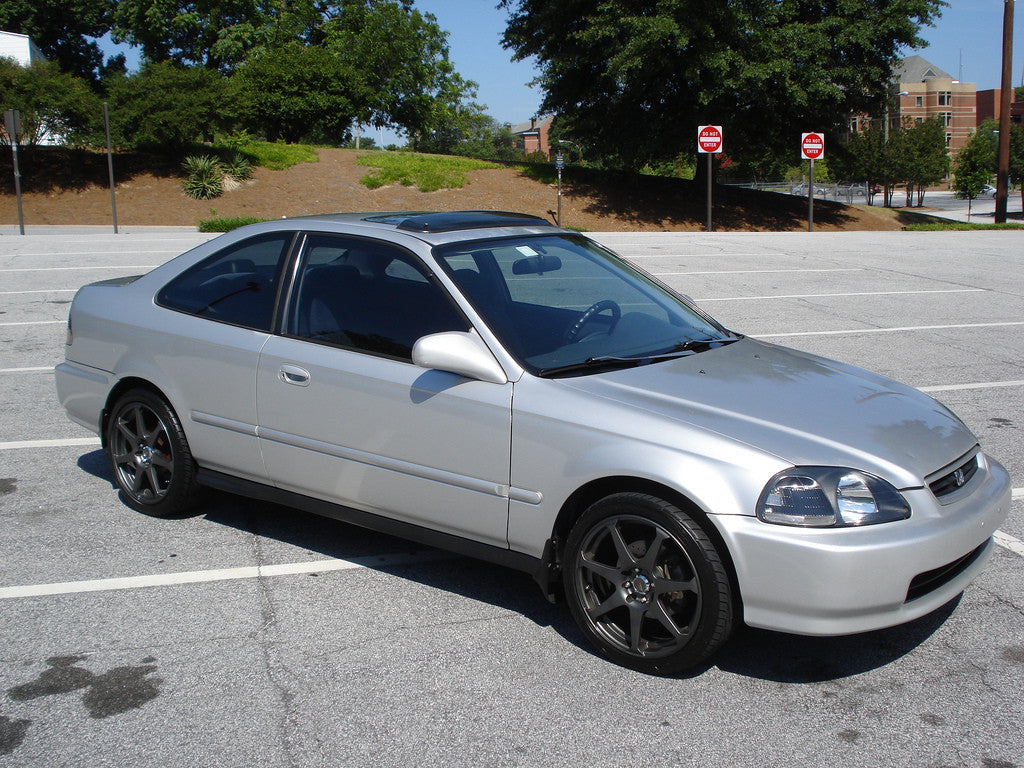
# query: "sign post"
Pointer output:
{"type": "Point", "coordinates": [812, 147]}
{"type": "Point", "coordinates": [12, 122]}
{"type": "Point", "coordinates": [110, 165]}
{"type": "Point", "coordinates": [559, 165]}
{"type": "Point", "coordinates": [709, 142]}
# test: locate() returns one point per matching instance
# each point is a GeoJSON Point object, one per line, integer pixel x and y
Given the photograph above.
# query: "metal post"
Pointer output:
{"type": "Point", "coordinates": [709, 191]}
{"type": "Point", "coordinates": [1003, 173]}
{"type": "Point", "coordinates": [810, 200]}
{"type": "Point", "coordinates": [12, 123]}
{"type": "Point", "coordinates": [559, 197]}
{"type": "Point", "coordinates": [110, 165]}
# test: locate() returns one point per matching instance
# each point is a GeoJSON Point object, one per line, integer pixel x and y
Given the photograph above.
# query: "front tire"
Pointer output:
{"type": "Point", "coordinates": [149, 454]}
{"type": "Point", "coordinates": [646, 584]}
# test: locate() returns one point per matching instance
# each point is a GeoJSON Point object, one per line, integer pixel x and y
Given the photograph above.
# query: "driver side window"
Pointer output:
{"type": "Point", "coordinates": [367, 296]}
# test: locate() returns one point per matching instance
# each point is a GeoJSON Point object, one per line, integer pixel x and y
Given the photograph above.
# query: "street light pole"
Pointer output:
{"type": "Point", "coordinates": [1003, 173]}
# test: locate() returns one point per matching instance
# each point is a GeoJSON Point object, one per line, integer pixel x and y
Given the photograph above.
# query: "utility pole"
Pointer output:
{"type": "Point", "coordinates": [1006, 85]}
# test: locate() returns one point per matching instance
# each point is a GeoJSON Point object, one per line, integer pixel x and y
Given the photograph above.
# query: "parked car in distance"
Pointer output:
{"type": "Point", "coordinates": [801, 189]}
{"type": "Point", "coordinates": [987, 191]}
{"type": "Point", "coordinates": [488, 383]}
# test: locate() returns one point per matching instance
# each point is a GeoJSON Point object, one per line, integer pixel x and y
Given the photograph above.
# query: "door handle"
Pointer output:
{"type": "Point", "coordinates": [292, 374]}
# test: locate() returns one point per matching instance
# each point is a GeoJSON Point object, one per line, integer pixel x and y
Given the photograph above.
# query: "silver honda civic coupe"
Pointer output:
{"type": "Point", "coordinates": [485, 382]}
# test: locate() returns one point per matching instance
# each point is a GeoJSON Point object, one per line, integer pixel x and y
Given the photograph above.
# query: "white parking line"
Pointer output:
{"type": "Point", "coordinates": [839, 295]}
{"type": "Point", "coordinates": [758, 271]}
{"type": "Point", "coordinates": [34, 322]}
{"type": "Point", "coordinates": [1011, 543]}
{"type": "Point", "coordinates": [978, 385]}
{"type": "Point", "coordinates": [71, 442]}
{"type": "Point", "coordinates": [46, 290]}
{"type": "Point", "coordinates": [66, 269]}
{"type": "Point", "coordinates": [222, 574]}
{"type": "Point", "coordinates": [854, 331]}
{"type": "Point", "coordinates": [33, 369]}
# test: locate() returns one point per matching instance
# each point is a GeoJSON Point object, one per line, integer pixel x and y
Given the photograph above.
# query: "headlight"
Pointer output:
{"type": "Point", "coordinates": [824, 497]}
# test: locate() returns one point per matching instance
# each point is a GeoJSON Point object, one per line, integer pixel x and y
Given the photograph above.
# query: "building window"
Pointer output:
{"type": "Point", "coordinates": [949, 139]}
{"type": "Point", "coordinates": [945, 99]}
{"type": "Point", "coordinates": [947, 118]}
{"type": "Point", "coordinates": [918, 120]}
{"type": "Point", "coordinates": [920, 101]}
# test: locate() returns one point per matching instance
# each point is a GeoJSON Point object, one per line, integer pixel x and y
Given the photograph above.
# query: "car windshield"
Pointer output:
{"type": "Point", "coordinates": [565, 306]}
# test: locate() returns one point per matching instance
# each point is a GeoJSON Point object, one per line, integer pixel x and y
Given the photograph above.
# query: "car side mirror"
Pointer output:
{"type": "Point", "coordinates": [458, 352]}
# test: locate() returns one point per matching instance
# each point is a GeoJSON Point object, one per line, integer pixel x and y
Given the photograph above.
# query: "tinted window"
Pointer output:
{"type": "Point", "coordinates": [368, 296]}
{"type": "Point", "coordinates": [236, 285]}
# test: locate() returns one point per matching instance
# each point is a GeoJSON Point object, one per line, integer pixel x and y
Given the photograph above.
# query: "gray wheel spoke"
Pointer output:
{"type": "Point", "coordinates": [610, 603]}
{"type": "Point", "coordinates": [664, 586]}
{"type": "Point", "coordinates": [122, 458]}
{"type": "Point", "coordinates": [626, 558]}
{"type": "Point", "coordinates": [657, 612]}
{"type": "Point", "coordinates": [137, 482]}
{"type": "Point", "coordinates": [636, 625]}
{"type": "Point", "coordinates": [606, 572]}
{"type": "Point", "coordinates": [650, 560]}
{"type": "Point", "coordinates": [159, 460]}
{"type": "Point", "coordinates": [154, 481]}
{"type": "Point", "coordinates": [140, 424]}
{"type": "Point", "coordinates": [133, 440]}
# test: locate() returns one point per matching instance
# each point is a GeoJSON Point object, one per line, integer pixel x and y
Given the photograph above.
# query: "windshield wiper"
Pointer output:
{"type": "Point", "coordinates": [608, 362]}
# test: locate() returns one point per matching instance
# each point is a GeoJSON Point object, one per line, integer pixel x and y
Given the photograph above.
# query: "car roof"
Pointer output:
{"type": "Point", "coordinates": [437, 227]}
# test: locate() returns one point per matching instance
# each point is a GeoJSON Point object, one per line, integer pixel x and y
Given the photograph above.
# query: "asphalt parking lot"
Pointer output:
{"type": "Point", "coordinates": [254, 635]}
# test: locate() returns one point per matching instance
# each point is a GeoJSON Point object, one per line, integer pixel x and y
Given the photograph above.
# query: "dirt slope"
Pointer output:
{"type": "Point", "coordinates": [73, 190]}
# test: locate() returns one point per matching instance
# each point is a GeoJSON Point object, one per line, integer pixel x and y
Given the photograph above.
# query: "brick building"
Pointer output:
{"type": "Point", "coordinates": [925, 92]}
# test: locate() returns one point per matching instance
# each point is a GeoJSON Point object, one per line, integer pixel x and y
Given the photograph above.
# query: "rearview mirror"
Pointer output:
{"type": "Point", "coordinates": [536, 265]}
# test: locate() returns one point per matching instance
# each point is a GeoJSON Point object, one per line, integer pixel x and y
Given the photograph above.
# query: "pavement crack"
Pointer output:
{"type": "Point", "coordinates": [279, 675]}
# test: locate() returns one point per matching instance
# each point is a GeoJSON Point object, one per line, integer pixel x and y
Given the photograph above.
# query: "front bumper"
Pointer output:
{"type": "Point", "coordinates": [845, 580]}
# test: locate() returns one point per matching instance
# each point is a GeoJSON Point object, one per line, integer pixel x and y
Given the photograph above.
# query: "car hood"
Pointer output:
{"type": "Point", "coordinates": [804, 409]}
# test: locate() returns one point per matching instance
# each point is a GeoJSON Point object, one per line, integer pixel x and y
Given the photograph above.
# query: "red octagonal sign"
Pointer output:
{"type": "Point", "coordinates": [709, 139]}
{"type": "Point", "coordinates": [812, 146]}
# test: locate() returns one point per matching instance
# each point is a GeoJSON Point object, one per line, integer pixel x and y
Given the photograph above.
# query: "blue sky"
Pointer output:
{"type": "Point", "coordinates": [970, 31]}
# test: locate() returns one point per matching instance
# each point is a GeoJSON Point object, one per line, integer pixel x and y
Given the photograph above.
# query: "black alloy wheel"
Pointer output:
{"type": "Point", "coordinates": [152, 463]}
{"type": "Point", "coordinates": [646, 584]}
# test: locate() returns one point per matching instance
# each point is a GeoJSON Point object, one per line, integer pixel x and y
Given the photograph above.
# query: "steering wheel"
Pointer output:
{"type": "Point", "coordinates": [573, 334]}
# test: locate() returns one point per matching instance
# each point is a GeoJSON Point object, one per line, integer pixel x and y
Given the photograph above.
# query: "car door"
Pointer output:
{"type": "Point", "coordinates": [219, 313]}
{"type": "Point", "coordinates": [344, 414]}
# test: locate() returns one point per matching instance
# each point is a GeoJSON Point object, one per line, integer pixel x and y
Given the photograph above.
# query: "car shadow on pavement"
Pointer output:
{"type": "Point", "coordinates": [753, 653]}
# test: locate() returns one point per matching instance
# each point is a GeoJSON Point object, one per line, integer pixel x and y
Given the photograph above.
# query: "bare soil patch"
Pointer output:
{"type": "Point", "coordinates": [70, 187]}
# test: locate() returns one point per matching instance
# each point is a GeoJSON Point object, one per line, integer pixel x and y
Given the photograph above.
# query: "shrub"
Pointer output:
{"type": "Point", "coordinates": [238, 167]}
{"type": "Point", "coordinates": [204, 179]}
{"type": "Point", "coordinates": [227, 223]}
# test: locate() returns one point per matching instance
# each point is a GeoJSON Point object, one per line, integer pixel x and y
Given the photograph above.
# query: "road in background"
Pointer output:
{"type": "Point", "coordinates": [250, 634]}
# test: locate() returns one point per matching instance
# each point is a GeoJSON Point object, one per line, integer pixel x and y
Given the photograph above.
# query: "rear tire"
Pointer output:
{"type": "Point", "coordinates": [646, 584]}
{"type": "Point", "coordinates": [149, 454]}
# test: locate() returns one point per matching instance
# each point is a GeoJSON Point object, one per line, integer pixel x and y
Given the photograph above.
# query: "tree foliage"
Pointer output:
{"type": "Point", "coordinates": [62, 30]}
{"type": "Point", "coordinates": [51, 103]}
{"type": "Point", "coordinates": [636, 78]}
{"type": "Point", "coordinates": [975, 162]}
{"type": "Point", "coordinates": [167, 107]}
{"type": "Point", "coordinates": [296, 92]}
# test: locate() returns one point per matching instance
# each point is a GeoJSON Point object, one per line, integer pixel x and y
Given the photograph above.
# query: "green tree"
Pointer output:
{"type": "Point", "coordinates": [637, 77]}
{"type": "Point", "coordinates": [167, 107]}
{"type": "Point", "coordinates": [211, 33]}
{"type": "Point", "coordinates": [927, 158]}
{"type": "Point", "coordinates": [51, 103]}
{"type": "Point", "coordinates": [403, 76]}
{"type": "Point", "coordinates": [63, 30]}
{"type": "Point", "coordinates": [1017, 158]}
{"type": "Point", "coordinates": [974, 164]}
{"type": "Point", "coordinates": [296, 92]}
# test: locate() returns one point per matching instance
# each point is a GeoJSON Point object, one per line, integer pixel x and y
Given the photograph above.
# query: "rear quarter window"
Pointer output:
{"type": "Point", "coordinates": [237, 285]}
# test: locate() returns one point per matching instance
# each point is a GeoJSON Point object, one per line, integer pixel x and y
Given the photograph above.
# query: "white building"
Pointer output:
{"type": "Point", "coordinates": [20, 48]}
{"type": "Point", "coordinates": [25, 53]}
